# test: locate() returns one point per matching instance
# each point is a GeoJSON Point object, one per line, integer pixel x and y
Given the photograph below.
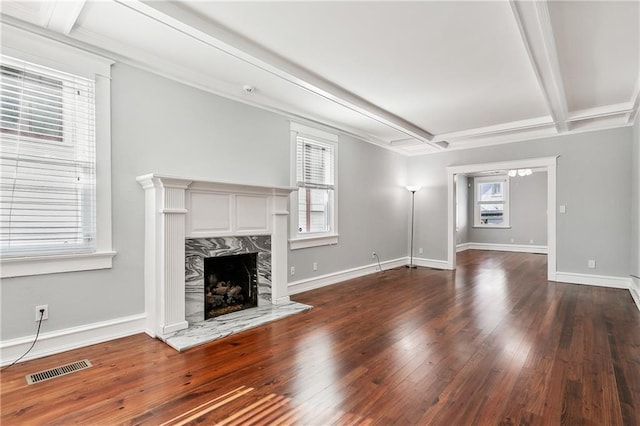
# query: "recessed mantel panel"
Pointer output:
{"type": "Point", "coordinates": [219, 214]}
{"type": "Point", "coordinates": [209, 212]}
{"type": "Point", "coordinates": [252, 213]}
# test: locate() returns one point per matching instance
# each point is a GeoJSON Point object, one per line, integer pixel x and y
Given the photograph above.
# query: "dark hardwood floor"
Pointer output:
{"type": "Point", "coordinates": [492, 343]}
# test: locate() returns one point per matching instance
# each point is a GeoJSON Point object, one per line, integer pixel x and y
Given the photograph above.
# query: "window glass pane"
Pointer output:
{"type": "Point", "coordinates": [313, 210]}
{"type": "Point", "coordinates": [492, 214]}
{"type": "Point", "coordinates": [491, 191]}
{"type": "Point", "coordinates": [47, 161]}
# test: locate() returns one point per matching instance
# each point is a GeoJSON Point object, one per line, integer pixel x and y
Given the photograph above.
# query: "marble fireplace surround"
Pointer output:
{"type": "Point", "coordinates": [183, 214]}
{"type": "Point", "coordinates": [198, 249]}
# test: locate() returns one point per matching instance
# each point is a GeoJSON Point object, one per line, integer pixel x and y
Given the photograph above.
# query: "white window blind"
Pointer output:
{"type": "Point", "coordinates": [315, 180]}
{"type": "Point", "coordinates": [47, 161]}
{"type": "Point", "coordinates": [315, 163]}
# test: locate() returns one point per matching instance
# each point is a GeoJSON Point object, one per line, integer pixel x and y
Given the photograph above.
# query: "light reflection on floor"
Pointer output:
{"type": "Point", "coordinates": [491, 305]}
{"type": "Point", "coordinates": [316, 373]}
{"type": "Point", "coordinates": [412, 340]}
{"type": "Point", "coordinates": [492, 297]}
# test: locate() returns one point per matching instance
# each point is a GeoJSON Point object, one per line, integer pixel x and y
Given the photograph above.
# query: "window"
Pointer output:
{"type": "Point", "coordinates": [54, 157]}
{"type": "Point", "coordinates": [47, 153]}
{"type": "Point", "coordinates": [314, 205]}
{"type": "Point", "coordinates": [491, 206]}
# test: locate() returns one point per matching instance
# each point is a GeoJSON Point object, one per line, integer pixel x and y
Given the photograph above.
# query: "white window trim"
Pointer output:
{"type": "Point", "coordinates": [507, 202]}
{"type": "Point", "coordinates": [321, 238]}
{"type": "Point", "coordinates": [31, 47]}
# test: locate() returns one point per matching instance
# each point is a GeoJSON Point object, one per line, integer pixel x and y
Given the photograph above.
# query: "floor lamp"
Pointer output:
{"type": "Point", "coordinates": [412, 189]}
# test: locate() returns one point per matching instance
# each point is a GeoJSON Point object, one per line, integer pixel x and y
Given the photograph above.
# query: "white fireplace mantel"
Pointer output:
{"type": "Point", "coordinates": [177, 208]}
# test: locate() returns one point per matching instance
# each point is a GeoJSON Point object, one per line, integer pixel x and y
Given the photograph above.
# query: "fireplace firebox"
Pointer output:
{"type": "Point", "coordinates": [230, 284]}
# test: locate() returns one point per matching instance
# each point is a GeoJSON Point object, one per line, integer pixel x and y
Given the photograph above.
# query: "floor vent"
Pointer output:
{"type": "Point", "coordinates": [52, 373]}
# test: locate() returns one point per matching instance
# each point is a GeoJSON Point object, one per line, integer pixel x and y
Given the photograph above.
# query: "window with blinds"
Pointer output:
{"type": "Point", "coordinates": [315, 180]}
{"type": "Point", "coordinates": [491, 199]}
{"type": "Point", "coordinates": [47, 161]}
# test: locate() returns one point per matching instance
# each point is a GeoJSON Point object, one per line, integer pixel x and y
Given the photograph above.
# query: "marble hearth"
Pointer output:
{"type": "Point", "coordinates": [187, 220]}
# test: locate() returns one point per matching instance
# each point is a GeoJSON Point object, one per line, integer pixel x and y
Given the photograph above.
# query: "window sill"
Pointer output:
{"type": "Point", "coordinates": [491, 227]}
{"type": "Point", "coordinates": [316, 241]}
{"type": "Point", "coordinates": [26, 266]}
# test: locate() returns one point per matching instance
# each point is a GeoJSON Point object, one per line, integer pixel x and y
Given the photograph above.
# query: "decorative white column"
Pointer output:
{"type": "Point", "coordinates": [279, 262]}
{"type": "Point", "coordinates": [164, 253]}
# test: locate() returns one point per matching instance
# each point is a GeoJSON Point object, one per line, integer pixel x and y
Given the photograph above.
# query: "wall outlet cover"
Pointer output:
{"type": "Point", "coordinates": [45, 315]}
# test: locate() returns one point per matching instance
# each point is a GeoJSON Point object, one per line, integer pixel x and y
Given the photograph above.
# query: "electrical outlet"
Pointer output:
{"type": "Point", "coordinates": [315, 266]}
{"type": "Point", "coordinates": [373, 254]}
{"type": "Point", "coordinates": [45, 315]}
{"type": "Point", "coordinates": [420, 250]}
{"type": "Point", "coordinates": [591, 263]}
{"type": "Point", "coordinates": [293, 270]}
{"type": "Point", "coordinates": [530, 241]}
{"type": "Point", "coordinates": [513, 240]}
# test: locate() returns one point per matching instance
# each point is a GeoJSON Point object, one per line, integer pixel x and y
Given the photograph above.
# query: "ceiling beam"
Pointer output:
{"type": "Point", "coordinates": [192, 25]}
{"type": "Point", "coordinates": [625, 108]}
{"type": "Point", "coordinates": [62, 15]}
{"type": "Point", "coordinates": [496, 129]}
{"type": "Point", "coordinates": [534, 23]}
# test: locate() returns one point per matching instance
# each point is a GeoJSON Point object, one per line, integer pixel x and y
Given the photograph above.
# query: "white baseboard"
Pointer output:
{"type": "Point", "coordinates": [431, 263]}
{"type": "Point", "coordinates": [521, 248]}
{"type": "Point", "coordinates": [462, 247]}
{"type": "Point", "coordinates": [634, 289]}
{"type": "Point", "coordinates": [70, 338]}
{"type": "Point", "coordinates": [589, 279]}
{"type": "Point", "coordinates": [336, 277]}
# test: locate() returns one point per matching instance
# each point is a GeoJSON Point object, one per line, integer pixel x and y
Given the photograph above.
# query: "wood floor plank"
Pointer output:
{"type": "Point", "coordinates": [492, 343]}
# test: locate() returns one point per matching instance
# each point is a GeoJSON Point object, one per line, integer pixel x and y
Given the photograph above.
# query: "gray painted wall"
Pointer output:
{"type": "Point", "coordinates": [527, 215]}
{"type": "Point", "coordinates": [162, 126]}
{"type": "Point", "coordinates": [593, 181]}
{"type": "Point", "coordinates": [635, 200]}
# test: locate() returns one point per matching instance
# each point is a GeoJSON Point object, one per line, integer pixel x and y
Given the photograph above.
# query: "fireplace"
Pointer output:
{"type": "Point", "coordinates": [200, 251]}
{"type": "Point", "coordinates": [230, 284]}
{"type": "Point", "coordinates": [190, 220]}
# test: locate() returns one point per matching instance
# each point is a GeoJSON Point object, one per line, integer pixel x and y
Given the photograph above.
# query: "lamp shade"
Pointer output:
{"type": "Point", "coordinates": [520, 172]}
{"type": "Point", "coordinates": [413, 188]}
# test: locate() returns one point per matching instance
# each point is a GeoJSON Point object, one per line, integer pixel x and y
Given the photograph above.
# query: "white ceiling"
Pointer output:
{"type": "Point", "coordinates": [407, 76]}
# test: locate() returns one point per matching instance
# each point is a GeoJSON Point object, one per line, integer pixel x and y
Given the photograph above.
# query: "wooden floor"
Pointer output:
{"type": "Point", "coordinates": [492, 343]}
